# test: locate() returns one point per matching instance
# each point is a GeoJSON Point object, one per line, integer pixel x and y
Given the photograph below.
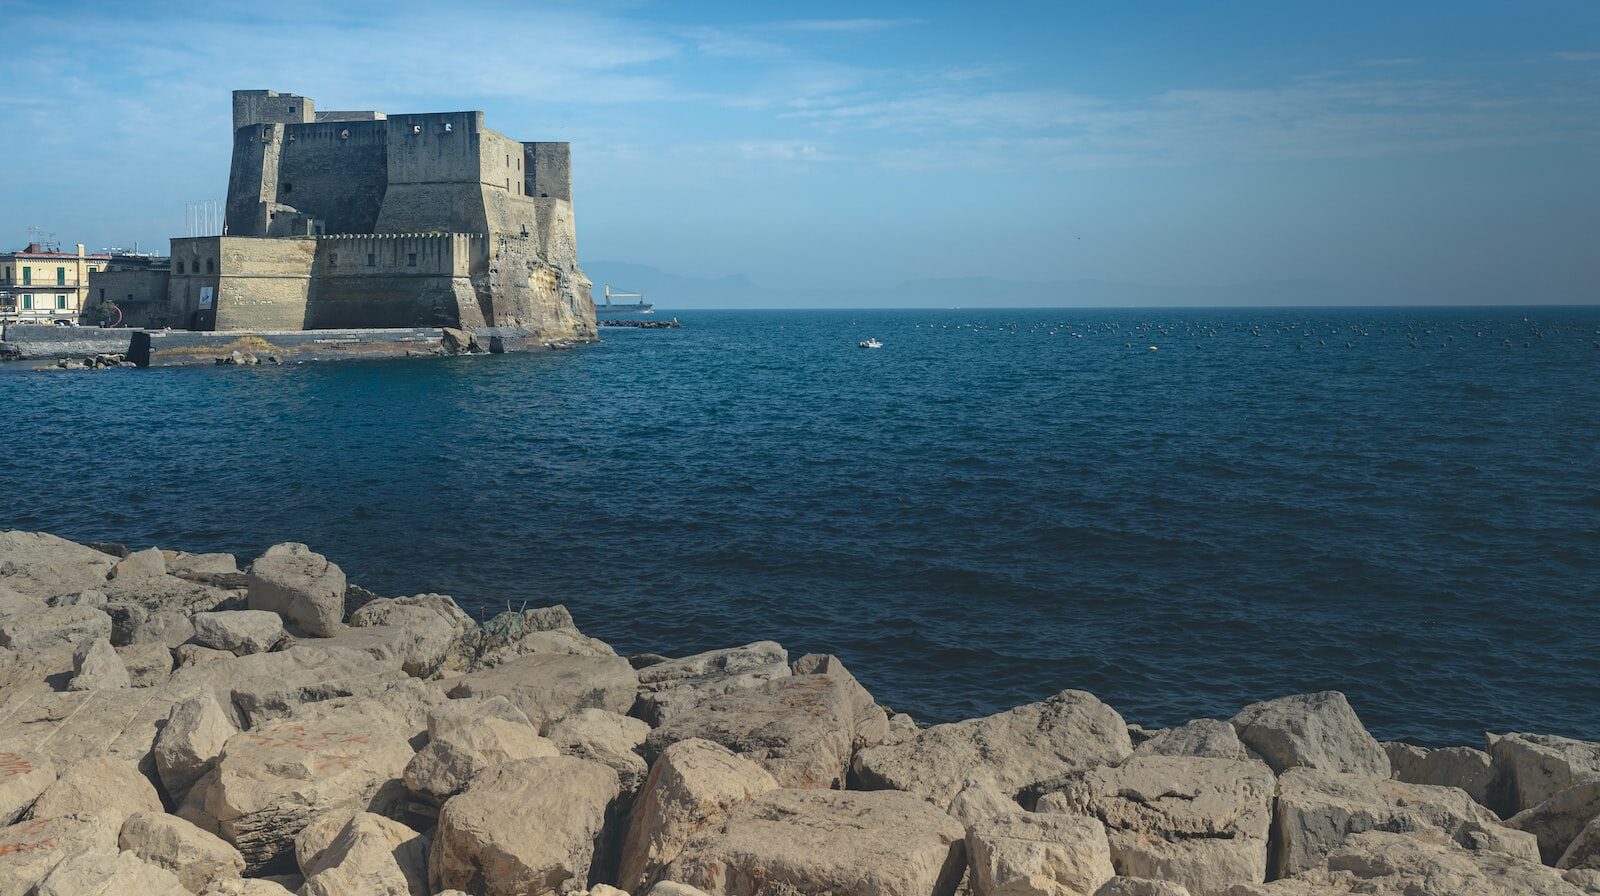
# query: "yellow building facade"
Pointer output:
{"type": "Point", "coordinates": [41, 285]}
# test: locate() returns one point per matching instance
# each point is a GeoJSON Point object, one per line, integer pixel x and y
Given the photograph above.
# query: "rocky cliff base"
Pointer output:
{"type": "Point", "coordinates": [171, 724]}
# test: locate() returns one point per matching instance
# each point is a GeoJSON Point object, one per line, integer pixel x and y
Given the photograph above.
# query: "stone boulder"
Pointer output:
{"type": "Point", "coordinates": [804, 729]}
{"type": "Point", "coordinates": [54, 626]}
{"type": "Point", "coordinates": [97, 667]}
{"type": "Point", "coordinates": [134, 624]}
{"type": "Point", "coordinates": [79, 599]}
{"type": "Point", "coordinates": [108, 788]}
{"type": "Point", "coordinates": [148, 664]}
{"type": "Point", "coordinates": [1584, 850]}
{"type": "Point", "coordinates": [23, 776]}
{"type": "Point", "coordinates": [1199, 822]}
{"type": "Point", "coordinates": [107, 872]}
{"type": "Point", "coordinates": [1009, 750]}
{"type": "Point", "coordinates": [1036, 853]}
{"type": "Point", "coordinates": [1138, 886]}
{"type": "Point", "coordinates": [421, 637]}
{"type": "Point", "coordinates": [146, 564]}
{"type": "Point", "coordinates": [189, 745]}
{"type": "Point", "coordinates": [300, 585]}
{"type": "Point", "coordinates": [1318, 810]}
{"type": "Point", "coordinates": [460, 752]}
{"type": "Point", "coordinates": [693, 784]}
{"type": "Point", "coordinates": [263, 687]}
{"type": "Point", "coordinates": [1317, 731]}
{"type": "Point", "coordinates": [1387, 864]}
{"type": "Point", "coordinates": [604, 737]}
{"type": "Point", "coordinates": [681, 683]}
{"type": "Point", "coordinates": [247, 886]}
{"type": "Point", "coordinates": [373, 856]}
{"type": "Point", "coordinates": [30, 849]}
{"type": "Point", "coordinates": [12, 603]}
{"type": "Point", "coordinates": [547, 687]}
{"type": "Point", "coordinates": [169, 593]}
{"type": "Point", "coordinates": [1463, 767]}
{"type": "Point", "coordinates": [166, 841]}
{"type": "Point", "coordinates": [40, 565]}
{"type": "Point", "coordinates": [842, 843]}
{"type": "Point", "coordinates": [219, 570]}
{"type": "Point", "coordinates": [273, 779]}
{"type": "Point", "coordinates": [239, 632]}
{"type": "Point", "coordinates": [1206, 738]}
{"type": "Point", "coordinates": [1532, 768]}
{"type": "Point", "coordinates": [524, 828]}
{"type": "Point", "coordinates": [544, 630]}
{"type": "Point", "coordinates": [668, 888]}
{"type": "Point", "coordinates": [1558, 821]}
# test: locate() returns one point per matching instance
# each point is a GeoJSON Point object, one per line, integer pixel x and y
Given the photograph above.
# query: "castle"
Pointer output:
{"type": "Point", "coordinates": [361, 219]}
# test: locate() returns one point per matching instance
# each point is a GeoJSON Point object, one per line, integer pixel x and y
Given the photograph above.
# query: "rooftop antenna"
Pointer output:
{"type": "Point", "coordinates": [47, 240]}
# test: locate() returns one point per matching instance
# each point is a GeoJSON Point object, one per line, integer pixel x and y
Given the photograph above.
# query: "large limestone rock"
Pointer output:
{"type": "Point", "coordinates": [426, 611]}
{"type": "Point", "coordinates": [1387, 864]}
{"type": "Point", "coordinates": [373, 856]}
{"type": "Point", "coordinates": [804, 729]}
{"type": "Point", "coordinates": [97, 667]}
{"type": "Point", "coordinates": [419, 649]}
{"type": "Point", "coordinates": [146, 564]}
{"type": "Point", "coordinates": [1318, 810]}
{"type": "Point", "coordinates": [1138, 886]}
{"type": "Point", "coordinates": [1558, 821]}
{"type": "Point", "coordinates": [54, 626]}
{"type": "Point", "coordinates": [167, 841]}
{"type": "Point", "coordinates": [148, 664]}
{"type": "Point", "coordinates": [168, 593]}
{"type": "Point", "coordinates": [547, 687]}
{"type": "Point", "coordinates": [107, 872]}
{"type": "Point", "coordinates": [248, 886]}
{"type": "Point", "coordinates": [135, 624]}
{"type": "Point", "coordinates": [1584, 850]}
{"type": "Point", "coordinates": [513, 634]}
{"type": "Point", "coordinates": [40, 565]}
{"type": "Point", "coordinates": [842, 843]}
{"type": "Point", "coordinates": [23, 776]}
{"type": "Point", "coordinates": [12, 603]}
{"type": "Point", "coordinates": [524, 828]}
{"type": "Point", "coordinates": [1532, 768]}
{"type": "Point", "coordinates": [459, 753]}
{"type": "Point", "coordinates": [107, 788]}
{"type": "Point", "coordinates": [681, 683]}
{"type": "Point", "coordinates": [1010, 750]}
{"type": "Point", "coordinates": [1206, 738]}
{"type": "Point", "coordinates": [1317, 731]}
{"type": "Point", "coordinates": [1463, 767]}
{"type": "Point", "coordinates": [191, 742]}
{"type": "Point", "coordinates": [693, 784]}
{"type": "Point", "coordinates": [604, 737]}
{"type": "Point", "coordinates": [1038, 854]}
{"type": "Point", "coordinates": [274, 779]}
{"type": "Point", "coordinates": [29, 850]}
{"type": "Point", "coordinates": [219, 570]}
{"type": "Point", "coordinates": [668, 888]}
{"type": "Point", "coordinates": [70, 726]}
{"type": "Point", "coordinates": [263, 687]}
{"type": "Point", "coordinates": [1199, 822]}
{"type": "Point", "coordinates": [300, 585]}
{"type": "Point", "coordinates": [238, 631]}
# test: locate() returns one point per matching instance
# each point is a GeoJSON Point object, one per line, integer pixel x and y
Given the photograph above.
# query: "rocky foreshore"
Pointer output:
{"type": "Point", "coordinates": [173, 724]}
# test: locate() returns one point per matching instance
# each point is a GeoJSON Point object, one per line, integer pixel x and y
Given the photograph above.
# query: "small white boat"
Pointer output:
{"type": "Point", "coordinates": [869, 342]}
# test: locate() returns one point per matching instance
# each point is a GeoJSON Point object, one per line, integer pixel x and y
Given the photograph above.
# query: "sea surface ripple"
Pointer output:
{"type": "Point", "coordinates": [1179, 511]}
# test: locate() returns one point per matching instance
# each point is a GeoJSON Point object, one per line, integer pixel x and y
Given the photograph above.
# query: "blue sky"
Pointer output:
{"type": "Point", "coordinates": [1419, 152]}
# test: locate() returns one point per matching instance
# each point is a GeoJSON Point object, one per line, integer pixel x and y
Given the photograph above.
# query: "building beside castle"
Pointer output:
{"type": "Point", "coordinates": [42, 284]}
{"type": "Point", "coordinates": [361, 219]}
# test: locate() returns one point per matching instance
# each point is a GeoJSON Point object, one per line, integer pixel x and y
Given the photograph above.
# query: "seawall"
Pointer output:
{"type": "Point", "coordinates": [262, 723]}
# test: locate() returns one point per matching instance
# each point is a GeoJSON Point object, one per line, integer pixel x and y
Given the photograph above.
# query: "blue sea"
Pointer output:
{"type": "Point", "coordinates": [1182, 511]}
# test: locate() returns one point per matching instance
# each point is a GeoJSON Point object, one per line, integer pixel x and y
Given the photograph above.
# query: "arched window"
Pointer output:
{"type": "Point", "coordinates": [180, 267]}
{"type": "Point", "coordinates": [209, 268]}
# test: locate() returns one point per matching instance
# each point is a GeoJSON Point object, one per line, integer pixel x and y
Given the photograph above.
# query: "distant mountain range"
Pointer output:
{"type": "Point", "coordinates": [671, 291]}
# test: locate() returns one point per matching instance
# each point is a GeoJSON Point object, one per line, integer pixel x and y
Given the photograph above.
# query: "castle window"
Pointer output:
{"type": "Point", "coordinates": [288, 187]}
{"type": "Point", "coordinates": [180, 267]}
{"type": "Point", "coordinates": [291, 109]}
{"type": "Point", "coordinates": [411, 260]}
{"type": "Point", "coordinates": [372, 260]}
{"type": "Point", "coordinates": [333, 259]}
{"type": "Point", "coordinates": [209, 268]}
{"type": "Point", "coordinates": [102, 295]}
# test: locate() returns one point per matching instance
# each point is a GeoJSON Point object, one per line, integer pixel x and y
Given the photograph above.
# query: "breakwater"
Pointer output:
{"type": "Point", "coordinates": [175, 723]}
